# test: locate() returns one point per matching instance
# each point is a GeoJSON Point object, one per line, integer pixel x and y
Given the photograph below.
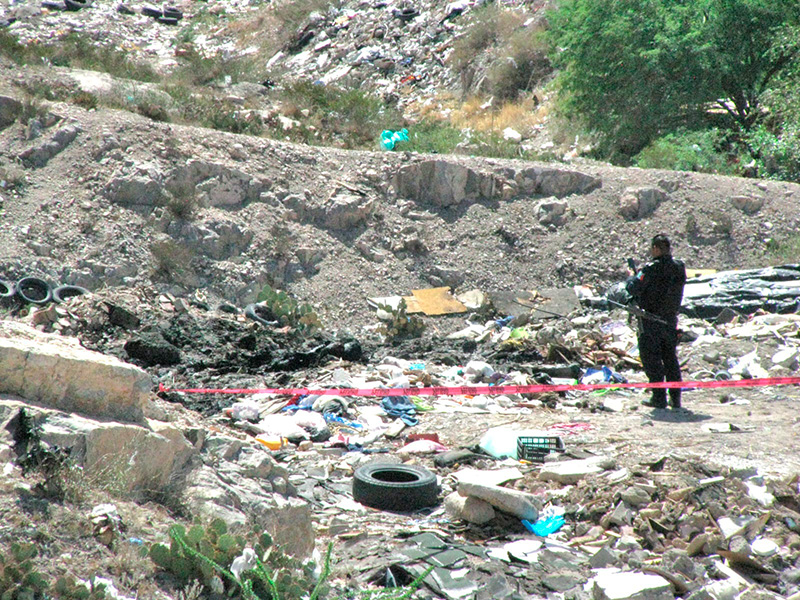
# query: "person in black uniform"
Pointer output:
{"type": "Point", "coordinates": [658, 290]}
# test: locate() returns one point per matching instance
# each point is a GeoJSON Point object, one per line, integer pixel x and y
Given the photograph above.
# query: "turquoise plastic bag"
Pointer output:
{"type": "Point", "coordinates": [544, 526]}
{"type": "Point", "coordinates": [390, 138]}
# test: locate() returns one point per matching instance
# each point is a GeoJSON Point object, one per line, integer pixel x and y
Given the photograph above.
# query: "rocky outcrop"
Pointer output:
{"type": "Point", "coordinates": [59, 373]}
{"type": "Point", "coordinates": [249, 487]}
{"type": "Point", "coordinates": [442, 183]}
{"type": "Point", "coordinates": [218, 239]}
{"type": "Point", "coordinates": [749, 205]}
{"type": "Point", "coordinates": [641, 202]}
{"type": "Point", "coordinates": [39, 156]}
{"type": "Point", "coordinates": [136, 185]}
{"type": "Point", "coordinates": [10, 108]}
{"type": "Point", "coordinates": [215, 184]}
{"type": "Point", "coordinates": [548, 181]}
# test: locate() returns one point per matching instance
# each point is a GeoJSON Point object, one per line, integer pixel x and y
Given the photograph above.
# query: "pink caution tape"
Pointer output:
{"type": "Point", "coordinates": [474, 390]}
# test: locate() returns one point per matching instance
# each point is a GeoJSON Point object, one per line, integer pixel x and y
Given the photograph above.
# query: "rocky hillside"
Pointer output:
{"type": "Point", "coordinates": [104, 198]}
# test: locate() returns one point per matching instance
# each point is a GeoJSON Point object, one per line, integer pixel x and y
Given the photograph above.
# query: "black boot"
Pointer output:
{"type": "Point", "coordinates": [658, 399]}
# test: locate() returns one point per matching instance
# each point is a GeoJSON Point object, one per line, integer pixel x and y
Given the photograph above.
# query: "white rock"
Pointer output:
{"type": "Point", "coordinates": [513, 502]}
{"type": "Point", "coordinates": [512, 135]}
{"type": "Point", "coordinates": [764, 547]}
{"type": "Point", "coordinates": [629, 586]}
{"type": "Point", "coordinates": [572, 471]}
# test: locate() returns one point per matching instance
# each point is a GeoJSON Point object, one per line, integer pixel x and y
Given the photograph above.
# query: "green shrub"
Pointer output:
{"type": "Point", "coordinates": [350, 118]}
{"type": "Point", "coordinates": [153, 111]}
{"type": "Point", "coordinates": [703, 151]}
{"type": "Point", "coordinates": [85, 100]}
{"type": "Point", "coordinates": [778, 153]}
{"type": "Point", "coordinates": [18, 578]}
{"type": "Point", "coordinates": [432, 136]}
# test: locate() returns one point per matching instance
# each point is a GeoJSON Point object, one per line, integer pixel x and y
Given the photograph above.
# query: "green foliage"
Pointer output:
{"type": "Point", "coordinates": [206, 554]}
{"type": "Point", "coordinates": [653, 67]}
{"type": "Point", "coordinates": [282, 307]}
{"type": "Point", "coordinates": [78, 51]}
{"type": "Point", "coordinates": [401, 324]}
{"type": "Point", "coordinates": [784, 251]}
{"type": "Point", "coordinates": [778, 153]}
{"type": "Point", "coordinates": [85, 100]}
{"type": "Point", "coordinates": [346, 117]}
{"type": "Point", "coordinates": [153, 111]}
{"type": "Point", "coordinates": [432, 136]}
{"type": "Point", "coordinates": [703, 151]}
{"type": "Point", "coordinates": [18, 577]}
{"type": "Point", "coordinates": [198, 69]}
{"type": "Point", "coordinates": [66, 588]}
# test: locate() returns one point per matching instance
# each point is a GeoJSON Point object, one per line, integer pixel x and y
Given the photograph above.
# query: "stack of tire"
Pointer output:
{"type": "Point", "coordinates": [32, 290]}
{"type": "Point", "coordinates": [169, 15]}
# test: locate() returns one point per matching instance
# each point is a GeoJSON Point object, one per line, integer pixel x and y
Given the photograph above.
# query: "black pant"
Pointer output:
{"type": "Point", "coordinates": [658, 351]}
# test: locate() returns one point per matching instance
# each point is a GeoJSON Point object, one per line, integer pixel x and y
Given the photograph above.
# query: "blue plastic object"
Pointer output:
{"type": "Point", "coordinates": [390, 138]}
{"type": "Point", "coordinates": [544, 526]}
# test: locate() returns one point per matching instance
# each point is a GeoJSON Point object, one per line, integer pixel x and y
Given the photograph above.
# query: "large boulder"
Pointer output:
{"type": "Point", "coordinates": [57, 372]}
{"type": "Point", "coordinates": [442, 183]}
{"type": "Point", "coordinates": [128, 458]}
{"type": "Point", "coordinates": [345, 211]}
{"type": "Point", "coordinates": [640, 202]}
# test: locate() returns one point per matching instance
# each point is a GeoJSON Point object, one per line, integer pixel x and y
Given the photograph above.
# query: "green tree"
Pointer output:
{"type": "Point", "coordinates": [632, 70]}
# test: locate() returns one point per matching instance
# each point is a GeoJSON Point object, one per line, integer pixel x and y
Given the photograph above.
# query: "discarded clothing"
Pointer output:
{"type": "Point", "coordinates": [400, 407]}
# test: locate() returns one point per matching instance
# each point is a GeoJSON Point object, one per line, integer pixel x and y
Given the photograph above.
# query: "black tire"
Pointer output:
{"type": "Point", "coordinates": [124, 9]}
{"type": "Point", "coordinates": [170, 12]}
{"type": "Point", "coordinates": [53, 5]}
{"type": "Point", "coordinates": [33, 290]}
{"type": "Point", "coordinates": [260, 314]}
{"type": "Point", "coordinates": [63, 292]}
{"type": "Point", "coordinates": [400, 488]}
{"type": "Point", "coordinates": [167, 21]}
{"type": "Point", "coordinates": [150, 11]}
{"type": "Point", "coordinates": [74, 5]}
{"type": "Point", "coordinates": [7, 293]}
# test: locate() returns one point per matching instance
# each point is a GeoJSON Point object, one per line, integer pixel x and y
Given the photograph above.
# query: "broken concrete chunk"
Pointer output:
{"type": "Point", "coordinates": [730, 527]}
{"type": "Point", "coordinates": [635, 496]}
{"type": "Point", "coordinates": [513, 502]}
{"type": "Point", "coordinates": [629, 586]}
{"type": "Point", "coordinates": [469, 509]}
{"type": "Point", "coordinates": [572, 471]}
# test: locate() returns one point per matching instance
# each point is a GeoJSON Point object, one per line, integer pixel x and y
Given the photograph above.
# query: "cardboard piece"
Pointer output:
{"type": "Point", "coordinates": [438, 301]}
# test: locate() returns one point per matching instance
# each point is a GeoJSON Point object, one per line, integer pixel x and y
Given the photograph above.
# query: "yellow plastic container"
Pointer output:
{"type": "Point", "coordinates": [272, 442]}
